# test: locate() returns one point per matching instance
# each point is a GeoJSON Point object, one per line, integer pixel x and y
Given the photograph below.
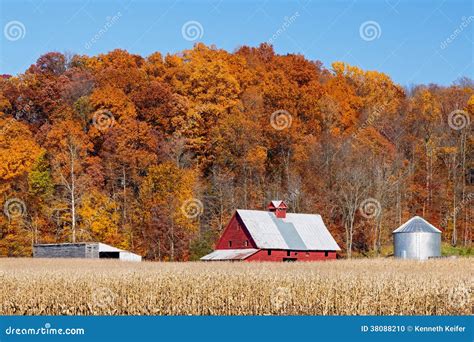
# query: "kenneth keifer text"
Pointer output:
{"type": "Point", "coordinates": [440, 328]}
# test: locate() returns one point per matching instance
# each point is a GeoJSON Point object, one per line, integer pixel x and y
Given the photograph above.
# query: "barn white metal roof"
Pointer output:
{"type": "Point", "coordinates": [295, 232]}
{"type": "Point", "coordinates": [124, 255]}
{"type": "Point", "coordinates": [417, 224]}
{"type": "Point", "coordinates": [107, 248]}
{"type": "Point", "coordinates": [230, 254]}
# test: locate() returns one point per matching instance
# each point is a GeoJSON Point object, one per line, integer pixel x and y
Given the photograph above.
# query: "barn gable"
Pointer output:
{"type": "Point", "coordinates": [237, 234]}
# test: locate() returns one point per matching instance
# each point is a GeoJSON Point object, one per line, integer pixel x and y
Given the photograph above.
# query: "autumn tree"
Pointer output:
{"type": "Point", "coordinates": [73, 167]}
{"type": "Point", "coordinates": [173, 210]}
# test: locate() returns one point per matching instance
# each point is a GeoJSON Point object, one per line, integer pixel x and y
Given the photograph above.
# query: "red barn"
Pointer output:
{"type": "Point", "coordinates": [274, 235]}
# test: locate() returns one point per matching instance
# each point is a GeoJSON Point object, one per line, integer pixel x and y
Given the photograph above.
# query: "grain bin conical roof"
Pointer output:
{"type": "Point", "coordinates": [417, 225]}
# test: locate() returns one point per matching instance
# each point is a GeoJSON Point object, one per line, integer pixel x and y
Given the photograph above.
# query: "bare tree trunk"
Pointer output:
{"type": "Point", "coordinates": [159, 249]}
{"type": "Point", "coordinates": [454, 237]}
{"type": "Point", "coordinates": [351, 235]}
{"type": "Point", "coordinates": [73, 194]}
{"type": "Point", "coordinates": [221, 212]}
{"type": "Point", "coordinates": [245, 189]}
{"type": "Point", "coordinates": [124, 200]}
{"type": "Point", "coordinates": [350, 227]}
{"type": "Point", "coordinates": [463, 188]}
{"type": "Point", "coordinates": [427, 180]}
{"type": "Point", "coordinates": [348, 245]}
{"type": "Point", "coordinates": [430, 180]}
{"type": "Point", "coordinates": [172, 241]}
{"type": "Point", "coordinates": [374, 237]}
{"type": "Point", "coordinates": [399, 205]}
{"type": "Point", "coordinates": [36, 231]}
{"type": "Point", "coordinates": [377, 235]}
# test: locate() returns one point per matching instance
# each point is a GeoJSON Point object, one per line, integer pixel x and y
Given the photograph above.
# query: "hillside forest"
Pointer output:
{"type": "Point", "coordinates": [154, 154]}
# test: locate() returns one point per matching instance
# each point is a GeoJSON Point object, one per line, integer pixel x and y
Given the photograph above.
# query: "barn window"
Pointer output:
{"type": "Point", "coordinates": [307, 254]}
{"type": "Point", "coordinates": [246, 242]}
{"type": "Point", "coordinates": [230, 243]}
{"type": "Point", "coordinates": [269, 252]}
{"type": "Point", "coordinates": [326, 254]}
{"type": "Point", "coordinates": [289, 259]}
{"type": "Point", "coordinates": [288, 253]}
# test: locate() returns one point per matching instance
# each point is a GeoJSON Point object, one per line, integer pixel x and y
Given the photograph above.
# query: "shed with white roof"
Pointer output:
{"type": "Point", "coordinates": [85, 250]}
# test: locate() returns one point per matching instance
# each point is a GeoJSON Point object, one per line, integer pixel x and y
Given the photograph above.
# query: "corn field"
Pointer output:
{"type": "Point", "coordinates": [342, 287]}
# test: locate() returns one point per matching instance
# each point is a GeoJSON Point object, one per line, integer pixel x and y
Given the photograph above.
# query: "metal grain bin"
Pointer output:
{"type": "Point", "coordinates": [417, 239]}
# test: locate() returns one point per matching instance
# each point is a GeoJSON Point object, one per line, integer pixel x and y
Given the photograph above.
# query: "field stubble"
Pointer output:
{"type": "Point", "coordinates": [342, 287]}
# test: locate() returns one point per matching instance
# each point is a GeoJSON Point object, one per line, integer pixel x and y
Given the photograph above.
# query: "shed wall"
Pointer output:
{"type": "Point", "coordinates": [62, 251]}
{"type": "Point", "coordinates": [128, 256]}
{"type": "Point", "coordinates": [92, 251]}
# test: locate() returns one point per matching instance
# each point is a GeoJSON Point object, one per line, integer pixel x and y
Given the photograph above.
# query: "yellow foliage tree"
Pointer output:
{"type": "Point", "coordinates": [173, 210]}
{"type": "Point", "coordinates": [100, 220]}
{"type": "Point", "coordinates": [18, 150]}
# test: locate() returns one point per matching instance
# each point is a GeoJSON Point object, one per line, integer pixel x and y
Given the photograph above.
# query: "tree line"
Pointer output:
{"type": "Point", "coordinates": [155, 154]}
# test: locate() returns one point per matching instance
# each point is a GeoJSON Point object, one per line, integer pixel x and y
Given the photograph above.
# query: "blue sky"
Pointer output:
{"type": "Point", "coordinates": [405, 39]}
